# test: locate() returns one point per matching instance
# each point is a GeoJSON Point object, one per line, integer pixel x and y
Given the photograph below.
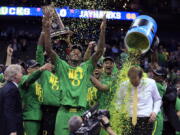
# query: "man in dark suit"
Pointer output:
{"type": "Point", "coordinates": [10, 103]}
{"type": "Point", "coordinates": [169, 101]}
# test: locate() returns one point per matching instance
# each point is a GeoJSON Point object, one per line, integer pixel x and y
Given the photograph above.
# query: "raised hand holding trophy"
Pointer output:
{"type": "Point", "coordinates": [57, 27]}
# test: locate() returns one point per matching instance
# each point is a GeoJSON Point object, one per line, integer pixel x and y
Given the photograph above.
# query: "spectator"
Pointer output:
{"type": "Point", "coordinates": [161, 57]}
{"type": "Point", "coordinates": [16, 50]}
{"type": "Point", "coordinates": [10, 104]}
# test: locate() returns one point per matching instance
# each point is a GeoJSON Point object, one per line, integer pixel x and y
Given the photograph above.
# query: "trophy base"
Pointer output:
{"type": "Point", "coordinates": [59, 33]}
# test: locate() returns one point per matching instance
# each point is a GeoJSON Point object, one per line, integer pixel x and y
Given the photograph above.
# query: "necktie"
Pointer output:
{"type": "Point", "coordinates": [135, 102]}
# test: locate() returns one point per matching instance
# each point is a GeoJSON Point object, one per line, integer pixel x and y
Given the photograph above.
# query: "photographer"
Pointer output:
{"type": "Point", "coordinates": [76, 122]}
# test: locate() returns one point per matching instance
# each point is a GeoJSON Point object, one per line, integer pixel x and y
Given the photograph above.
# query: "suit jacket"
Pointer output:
{"type": "Point", "coordinates": [10, 110]}
{"type": "Point", "coordinates": [169, 101]}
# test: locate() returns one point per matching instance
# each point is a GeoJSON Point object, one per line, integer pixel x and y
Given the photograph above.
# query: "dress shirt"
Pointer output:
{"type": "Point", "coordinates": [149, 99]}
{"type": "Point", "coordinates": [15, 84]}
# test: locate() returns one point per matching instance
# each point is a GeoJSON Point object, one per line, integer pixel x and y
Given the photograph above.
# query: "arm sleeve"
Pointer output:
{"type": "Point", "coordinates": [30, 79]}
{"type": "Point", "coordinates": [10, 107]}
{"type": "Point", "coordinates": [59, 65]}
{"type": "Point", "coordinates": [87, 54]}
{"type": "Point", "coordinates": [156, 98]}
{"type": "Point", "coordinates": [98, 84]}
{"type": "Point", "coordinates": [40, 55]}
{"type": "Point", "coordinates": [90, 67]}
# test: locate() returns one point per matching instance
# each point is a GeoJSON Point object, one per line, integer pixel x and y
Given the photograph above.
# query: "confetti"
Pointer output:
{"type": "Point", "coordinates": [119, 115]}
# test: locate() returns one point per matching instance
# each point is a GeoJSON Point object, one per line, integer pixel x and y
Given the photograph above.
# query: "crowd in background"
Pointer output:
{"type": "Point", "coordinates": [24, 45]}
{"type": "Point", "coordinates": [47, 107]}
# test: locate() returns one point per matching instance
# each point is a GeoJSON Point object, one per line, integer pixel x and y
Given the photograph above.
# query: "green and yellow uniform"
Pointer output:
{"type": "Point", "coordinates": [50, 85]}
{"type": "Point", "coordinates": [49, 82]}
{"type": "Point", "coordinates": [51, 95]}
{"type": "Point", "coordinates": [105, 97]}
{"type": "Point", "coordinates": [158, 126]}
{"type": "Point", "coordinates": [91, 96]}
{"type": "Point", "coordinates": [50, 101]}
{"type": "Point", "coordinates": [31, 95]}
{"type": "Point", "coordinates": [74, 91]}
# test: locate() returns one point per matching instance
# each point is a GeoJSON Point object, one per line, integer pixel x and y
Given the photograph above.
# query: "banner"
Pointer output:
{"type": "Point", "coordinates": [66, 12]}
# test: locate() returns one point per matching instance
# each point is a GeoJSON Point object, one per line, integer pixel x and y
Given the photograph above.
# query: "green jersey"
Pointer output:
{"type": "Point", "coordinates": [40, 54]}
{"type": "Point", "coordinates": [161, 89]}
{"type": "Point", "coordinates": [105, 97]}
{"type": "Point", "coordinates": [74, 82]}
{"type": "Point", "coordinates": [50, 85]}
{"type": "Point", "coordinates": [48, 81]}
{"type": "Point", "coordinates": [92, 95]}
{"type": "Point", "coordinates": [31, 97]}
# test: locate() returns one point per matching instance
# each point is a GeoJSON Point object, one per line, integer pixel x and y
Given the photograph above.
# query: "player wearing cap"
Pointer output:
{"type": "Point", "coordinates": [74, 76]}
{"type": "Point", "coordinates": [106, 83]}
{"type": "Point", "coordinates": [92, 90]}
{"type": "Point", "coordinates": [51, 93]}
{"type": "Point", "coordinates": [159, 76]}
{"type": "Point", "coordinates": [31, 95]}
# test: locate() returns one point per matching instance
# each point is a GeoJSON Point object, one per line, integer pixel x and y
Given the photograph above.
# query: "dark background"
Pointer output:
{"type": "Point", "coordinates": [165, 12]}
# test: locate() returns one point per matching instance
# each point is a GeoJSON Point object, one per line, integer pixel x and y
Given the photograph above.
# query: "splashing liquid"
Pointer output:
{"type": "Point", "coordinates": [119, 113]}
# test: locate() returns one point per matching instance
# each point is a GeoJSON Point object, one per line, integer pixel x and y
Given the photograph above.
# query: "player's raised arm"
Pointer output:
{"type": "Point", "coordinates": [101, 42]}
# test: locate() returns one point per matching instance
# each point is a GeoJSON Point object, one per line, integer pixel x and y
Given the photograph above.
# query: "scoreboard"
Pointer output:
{"type": "Point", "coordinates": [66, 12]}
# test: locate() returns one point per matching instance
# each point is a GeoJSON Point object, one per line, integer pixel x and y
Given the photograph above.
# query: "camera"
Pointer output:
{"type": "Point", "coordinates": [92, 120]}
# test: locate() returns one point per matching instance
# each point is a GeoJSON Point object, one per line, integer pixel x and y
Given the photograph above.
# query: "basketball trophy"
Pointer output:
{"type": "Point", "coordinates": [57, 27]}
